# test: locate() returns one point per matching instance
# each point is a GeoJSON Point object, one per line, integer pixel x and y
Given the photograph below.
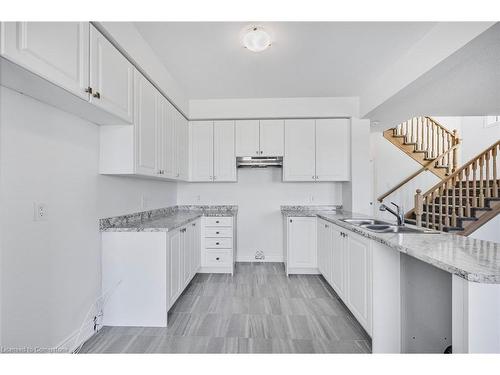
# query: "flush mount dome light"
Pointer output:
{"type": "Point", "coordinates": [255, 38]}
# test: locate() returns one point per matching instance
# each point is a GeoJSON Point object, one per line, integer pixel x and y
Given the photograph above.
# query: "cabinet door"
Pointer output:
{"type": "Point", "coordinates": [195, 246]}
{"type": "Point", "coordinates": [182, 130]}
{"type": "Point", "coordinates": [333, 160]}
{"type": "Point", "coordinates": [175, 266]}
{"type": "Point", "coordinates": [302, 242]}
{"type": "Point", "coordinates": [299, 159]}
{"type": "Point", "coordinates": [321, 229]}
{"type": "Point", "coordinates": [187, 254]}
{"type": "Point", "coordinates": [337, 279]}
{"type": "Point", "coordinates": [358, 279]}
{"type": "Point", "coordinates": [146, 125]}
{"type": "Point", "coordinates": [169, 141]}
{"type": "Point", "coordinates": [201, 142]}
{"type": "Point", "coordinates": [224, 158]}
{"type": "Point", "coordinates": [247, 137]}
{"type": "Point", "coordinates": [272, 134]}
{"type": "Point", "coordinates": [56, 51]}
{"type": "Point", "coordinates": [111, 77]}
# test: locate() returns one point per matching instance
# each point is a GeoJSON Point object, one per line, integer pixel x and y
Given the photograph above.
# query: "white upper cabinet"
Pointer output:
{"type": "Point", "coordinates": [201, 140]}
{"type": "Point", "coordinates": [259, 137]}
{"type": "Point", "coordinates": [146, 125]}
{"type": "Point", "coordinates": [55, 51]}
{"type": "Point", "coordinates": [169, 141]}
{"type": "Point", "coordinates": [111, 77]}
{"type": "Point", "coordinates": [224, 153]}
{"type": "Point", "coordinates": [181, 146]}
{"type": "Point", "coordinates": [247, 137]}
{"type": "Point", "coordinates": [333, 150]}
{"type": "Point", "coordinates": [299, 159]}
{"type": "Point", "coordinates": [317, 150]}
{"type": "Point", "coordinates": [272, 133]}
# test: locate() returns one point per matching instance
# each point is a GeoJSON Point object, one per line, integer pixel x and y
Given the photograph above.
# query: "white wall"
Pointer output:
{"type": "Point", "coordinates": [259, 193]}
{"type": "Point", "coordinates": [51, 269]}
{"type": "Point", "coordinates": [273, 108]}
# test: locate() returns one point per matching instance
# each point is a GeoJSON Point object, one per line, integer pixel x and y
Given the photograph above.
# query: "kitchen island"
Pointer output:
{"type": "Point", "coordinates": [413, 292]}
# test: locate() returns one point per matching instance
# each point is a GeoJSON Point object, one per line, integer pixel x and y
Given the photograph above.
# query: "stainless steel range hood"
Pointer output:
{"type": "Point", "coordinates": [259, 161]}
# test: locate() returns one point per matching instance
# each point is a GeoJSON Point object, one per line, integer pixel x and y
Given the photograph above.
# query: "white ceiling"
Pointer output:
{"type": "Point", "coordinates": [307, 59]}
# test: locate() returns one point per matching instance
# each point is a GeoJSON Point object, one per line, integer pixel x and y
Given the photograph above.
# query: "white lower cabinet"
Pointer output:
{"type": "Point", "coordinates": [358, 277]}
{"type": "Point", "coordinates": [344, 259]}
{"type": "Point", "coordinates": [143, 273]}
{"type": "Point", "coordinates": [218, 246]}
{"type": "Point", "coordinates": [301, 252]}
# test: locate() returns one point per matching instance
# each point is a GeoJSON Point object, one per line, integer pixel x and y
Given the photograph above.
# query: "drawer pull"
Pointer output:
{"type": "Point", "coordinates": [217, 243]}
{"type": "Point", "coordinates": [217, 232]}
{"type": "Point", "coordinates": [217, 258]}
{"type": "Point", "coordinates": [217, 221]}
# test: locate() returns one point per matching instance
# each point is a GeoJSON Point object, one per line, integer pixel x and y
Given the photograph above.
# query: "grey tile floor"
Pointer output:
{"type": "Point", "coordinates": [258, 310]}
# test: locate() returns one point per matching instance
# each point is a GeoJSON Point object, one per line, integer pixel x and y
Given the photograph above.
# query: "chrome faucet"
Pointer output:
{"type": "Point", "coordinates": [399, 213]}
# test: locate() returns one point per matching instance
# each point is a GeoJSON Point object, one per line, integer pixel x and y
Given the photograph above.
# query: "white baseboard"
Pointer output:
{"type": "Point", "coordinates": [269, 258]}
{"type": "Point", "coordinates": [303, 271]}
{"type": "Point", "coordinates": [78, 337]}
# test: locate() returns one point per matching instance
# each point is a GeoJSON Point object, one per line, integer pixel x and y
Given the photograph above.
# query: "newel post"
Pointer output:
{"type": "Point", "coordinates": [419, 207]}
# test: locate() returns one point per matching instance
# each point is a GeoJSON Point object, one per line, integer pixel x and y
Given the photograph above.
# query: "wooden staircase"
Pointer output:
{"type": "Point", "coordinates": [464, 200]}
{"type": "Point", "coordinates": [428, 143]}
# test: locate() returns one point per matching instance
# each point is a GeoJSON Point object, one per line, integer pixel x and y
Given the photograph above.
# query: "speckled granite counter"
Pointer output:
{"type": "Point", "coordinates": [163, 219]}
{"type": "Point", "coordinates": [471, 259]}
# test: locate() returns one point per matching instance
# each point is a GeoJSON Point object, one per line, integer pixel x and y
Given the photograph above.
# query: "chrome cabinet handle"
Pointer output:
{"type": "Point", "coordinates": [96, 95]}
{"type": "Point", "coordinates": [261, 152]}
{"type": "Point", "coordinates": [89, 90]}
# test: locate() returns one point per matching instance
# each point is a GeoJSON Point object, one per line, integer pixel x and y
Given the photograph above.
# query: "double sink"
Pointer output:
{"type": "Point", "coordinates": [384, 227]}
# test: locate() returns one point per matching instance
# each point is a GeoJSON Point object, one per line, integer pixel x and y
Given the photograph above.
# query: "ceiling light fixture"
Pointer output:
{"type": "Point", "coordinates": [255, 38]}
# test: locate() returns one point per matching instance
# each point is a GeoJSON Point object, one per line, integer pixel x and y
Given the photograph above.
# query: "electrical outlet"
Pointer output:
{"type": "Point", "coordinates": [40, 211]}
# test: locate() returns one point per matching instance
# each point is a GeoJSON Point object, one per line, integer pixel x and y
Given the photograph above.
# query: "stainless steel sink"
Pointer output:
{"type": "Point", "coordinates": [392, 229]}
{"type": "Point", "coordinates": [384, 227]}
{"type": "Point", "coordinates": [365, 222]}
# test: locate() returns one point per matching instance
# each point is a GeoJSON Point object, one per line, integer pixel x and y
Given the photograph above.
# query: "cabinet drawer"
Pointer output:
{"type": "Point", "coordinates": [218, 221]}
{"type": "Point", "coordinates": [218, 243]}
{"type": "Point", "coordinates": [218, 232]}
{"type": "Point", "coordinates": [218, 258]}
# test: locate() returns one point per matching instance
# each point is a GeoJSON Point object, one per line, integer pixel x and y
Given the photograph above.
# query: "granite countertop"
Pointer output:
{"type": "Point", "coordinates": [163, 219]}
{"type": "Point", "coordinates": [472, 259]}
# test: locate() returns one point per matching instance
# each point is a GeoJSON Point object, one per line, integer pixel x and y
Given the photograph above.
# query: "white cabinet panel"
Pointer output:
{"type": "Point", "coordinates": [111, 77]}
{"type": "Point", "coordinates": [272, 133]}
{"type": "Point", "coordinates": [247, 137]}
{"type": "Point", "coordinates": [201, 140]}
{"type": "Point", "coordinates": [224, 157]}
{"type": "Point", "coordinates": [146, 124]}
{"type": "Point", "coordinates": [299, 159]}
{"type": "Point", "coordinates": [169, 141]}
{"type": "Point", "coordinates": [187, 254]}
{"type": "Point", "coordinates": [332, 149]}
{"type": "Point", "coordinates": [338, 262]}
{"type": "Point", "coordinates": [359, 279]}
{"type": "Point", "coordinates": [175, 246]}
{"type": "Point", "coordinates": [301, 242]}
{"type": "Point", "coordinates": [56, 51]}
{"type": "Point", "coordinates": [181, 132]}
{"type": "Point", "coordinates": [325, 248]}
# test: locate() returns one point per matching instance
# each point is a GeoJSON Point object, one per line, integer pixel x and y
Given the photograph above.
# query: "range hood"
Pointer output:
{"type": "Point", "coordinates": [259, 161]}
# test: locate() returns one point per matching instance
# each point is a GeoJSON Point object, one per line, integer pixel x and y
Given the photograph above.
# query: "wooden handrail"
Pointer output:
{"type": "Point", "coordinates": [413, 175]}
{"type": "Point", "coordinates": [469, 163]}
{"type": "Point", "coordinates": [440, 126]}
{"type": "Point", "coordinates": [453, 203]}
